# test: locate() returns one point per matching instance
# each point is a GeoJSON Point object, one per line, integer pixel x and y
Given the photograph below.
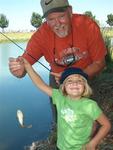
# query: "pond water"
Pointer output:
{"type": "Point", "coordinates": [21, 94]}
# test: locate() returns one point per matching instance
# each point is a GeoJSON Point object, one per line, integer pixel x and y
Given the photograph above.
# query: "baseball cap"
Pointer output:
{"type": "Point", "coordinates": [72, 70]}
{"type": "Point", "coordinates": [49, 6]}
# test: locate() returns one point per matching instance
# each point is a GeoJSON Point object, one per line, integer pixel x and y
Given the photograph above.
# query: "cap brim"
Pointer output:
{"type": "Point", "coordinates": [70, 71]}
{"type": "Point", "coordinates": [58, 9]}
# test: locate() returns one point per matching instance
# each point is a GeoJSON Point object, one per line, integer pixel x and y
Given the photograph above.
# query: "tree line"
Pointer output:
{"type": "Point", "coordinates": [36, 20]}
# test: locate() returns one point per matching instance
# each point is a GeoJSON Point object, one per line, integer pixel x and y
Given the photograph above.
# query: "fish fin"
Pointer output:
{"type": "Point", "coordinates": [26, 126]}
{"type": "Point", "coordinates": [29, 126]}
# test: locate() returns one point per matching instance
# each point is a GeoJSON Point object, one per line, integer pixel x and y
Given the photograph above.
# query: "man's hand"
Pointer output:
{"type": "Point", "coordinates": [16, 67]}
{"type": "Point", "coordinates": [57, 76]}
{"type": "Point", "coordinates": [95, 68]}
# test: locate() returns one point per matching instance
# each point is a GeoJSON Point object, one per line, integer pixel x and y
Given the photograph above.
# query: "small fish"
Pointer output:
{"type": "Point", "coordinates": [20, 117]}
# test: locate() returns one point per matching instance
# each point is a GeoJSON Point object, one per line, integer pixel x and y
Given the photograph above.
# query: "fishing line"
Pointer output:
{"type": "Point", "coordinates": [24, 51]}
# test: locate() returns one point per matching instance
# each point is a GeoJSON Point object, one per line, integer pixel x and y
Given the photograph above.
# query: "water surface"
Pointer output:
{"type": "Point", "coordinates": [21, 94]}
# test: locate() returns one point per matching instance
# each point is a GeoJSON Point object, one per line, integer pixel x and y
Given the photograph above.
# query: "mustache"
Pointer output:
{"type": "Point", "coordinates": [57, 27]}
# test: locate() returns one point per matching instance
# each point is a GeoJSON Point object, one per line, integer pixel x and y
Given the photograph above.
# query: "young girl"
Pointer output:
{"type": "Point", "coordinates": [75, 111]}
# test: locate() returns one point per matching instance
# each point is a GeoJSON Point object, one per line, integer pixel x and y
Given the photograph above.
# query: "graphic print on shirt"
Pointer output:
{"type": "Point", "coordinates": [68, 115]}
{"type": "Point", "coordinates": [69, 56]}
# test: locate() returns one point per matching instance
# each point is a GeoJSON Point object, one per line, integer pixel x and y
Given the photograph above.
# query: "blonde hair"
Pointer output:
{"type": "Point", "coordinates": [87, 89]}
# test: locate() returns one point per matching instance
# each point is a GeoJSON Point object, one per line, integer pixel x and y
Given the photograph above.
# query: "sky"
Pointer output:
{"type": "Point", "coordinates": [19, 12]}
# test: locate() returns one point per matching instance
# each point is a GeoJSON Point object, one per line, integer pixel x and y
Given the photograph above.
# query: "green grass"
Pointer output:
{"type": "Point", "coordinates": [107, 32]}
{"type": "Point", "coordinates": [22, 36]}
{"type": "Point", "coordinates": [15, 36]}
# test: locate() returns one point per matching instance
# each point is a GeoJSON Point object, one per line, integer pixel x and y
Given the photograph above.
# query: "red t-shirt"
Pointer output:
{"type": "Point", "coordinates": [84, 43]}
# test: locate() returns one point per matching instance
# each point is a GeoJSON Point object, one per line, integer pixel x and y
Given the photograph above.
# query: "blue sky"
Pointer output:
{"type": "Point", "coordinates": [19, 12]}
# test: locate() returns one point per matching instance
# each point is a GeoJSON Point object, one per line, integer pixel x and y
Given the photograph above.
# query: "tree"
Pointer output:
{"type": "Point", "coordinates": [110, 20]}
{"type": "Point", "coordinates": [36, 20]}
{"type": "Point", "coordinates": [89, 14]}
{"type": "Point", "coordinates": [3, 22]}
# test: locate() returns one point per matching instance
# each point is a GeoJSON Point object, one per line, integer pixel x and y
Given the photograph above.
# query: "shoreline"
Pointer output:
{"type": "Point", "coordinates": [24, 36]}
{"type": "Point", "coordinates": [15, 36]}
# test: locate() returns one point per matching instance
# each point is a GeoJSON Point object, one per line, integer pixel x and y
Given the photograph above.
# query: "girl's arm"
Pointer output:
{"type": "Point", "coordinates": [104, 129]}
{"type": "Point", "coordinates": [37, 79]}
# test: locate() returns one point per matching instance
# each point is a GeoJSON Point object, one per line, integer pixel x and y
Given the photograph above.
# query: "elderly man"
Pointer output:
{"type": "Point", "coordinates": [64, 39]}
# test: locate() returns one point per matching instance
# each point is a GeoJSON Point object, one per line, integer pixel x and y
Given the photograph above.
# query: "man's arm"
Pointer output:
{"type": "Point", "coordinates": [95, 68]}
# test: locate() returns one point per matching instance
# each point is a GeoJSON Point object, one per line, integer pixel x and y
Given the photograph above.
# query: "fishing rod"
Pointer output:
{"type": "Point", "coordinates": [24, 50]}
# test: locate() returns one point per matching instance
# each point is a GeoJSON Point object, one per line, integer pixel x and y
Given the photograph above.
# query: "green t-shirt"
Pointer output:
{"type": "Point", "coordinates": [75, 120]}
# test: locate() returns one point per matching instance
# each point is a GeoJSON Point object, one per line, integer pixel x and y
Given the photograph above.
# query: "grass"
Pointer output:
{"type": "Point", "coordinates": [107, 32]}
{"type": "Point", "coordinates": [24, 36]}
{"type": "Point", "coordinates": [15, 36]}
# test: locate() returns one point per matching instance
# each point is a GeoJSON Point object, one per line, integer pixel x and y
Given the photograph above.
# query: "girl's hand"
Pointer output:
{"type": "Point", "coordinates": [89, 146]}
{"type": "Point", "coordinates": [27, 65]}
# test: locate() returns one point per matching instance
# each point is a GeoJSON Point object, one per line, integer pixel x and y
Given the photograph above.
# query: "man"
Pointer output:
{"type": "Point", "coordinates": [64, 39]}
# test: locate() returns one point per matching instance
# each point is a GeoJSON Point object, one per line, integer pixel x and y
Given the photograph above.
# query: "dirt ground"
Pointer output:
{"type": "Point", "coordinates": [103, 94]}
